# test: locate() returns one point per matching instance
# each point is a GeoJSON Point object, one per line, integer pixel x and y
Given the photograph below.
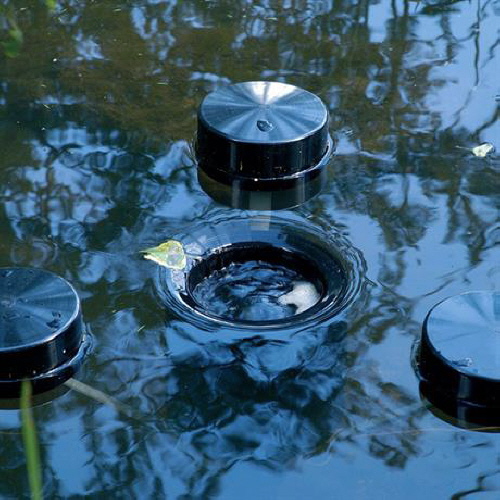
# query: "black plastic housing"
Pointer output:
{"type": "Point", "coordinates": [265, 137]}
{"type": "Point", "coordinates": [459, 357]}
{"type": "Point", "coordinates": [41, 331]}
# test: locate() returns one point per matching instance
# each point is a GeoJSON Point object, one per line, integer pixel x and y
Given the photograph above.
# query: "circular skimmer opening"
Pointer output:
{"type": "Point", "coordinates": [257, 282]}
{"type": "Point", "coordinates": [260, 272]}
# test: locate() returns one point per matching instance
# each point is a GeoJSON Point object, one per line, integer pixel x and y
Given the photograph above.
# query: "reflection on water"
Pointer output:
{"type": "Point", "coordinates": [97, 119]}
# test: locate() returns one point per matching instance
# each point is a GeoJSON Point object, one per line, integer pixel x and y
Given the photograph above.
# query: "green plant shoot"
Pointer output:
{"type": "Point", "coordinates": [30, 441]}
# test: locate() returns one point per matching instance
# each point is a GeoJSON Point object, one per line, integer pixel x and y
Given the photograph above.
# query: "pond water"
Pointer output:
{"type": "Point", "coordinates": [98, 113]}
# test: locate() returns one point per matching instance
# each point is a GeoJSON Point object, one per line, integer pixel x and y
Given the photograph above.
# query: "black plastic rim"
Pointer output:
{"type": "Point", "coordinates": [51, 379]}
{"type": "Point", "coordinates": [460, 413]}
{"type": "Point", "coordinates": [459, 357]}
{"type": "Point", "coordinates": [41, 330]}
{"type": "Point", "coordinates": [326, 260]}
{"type": "Point", "coordinates": [267, 194]}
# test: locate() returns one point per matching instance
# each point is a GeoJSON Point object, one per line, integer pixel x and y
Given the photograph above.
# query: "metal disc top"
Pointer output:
{"type": "Point", "coordinates": [263, 112]}
{"type": "Point", "coordinates": [40, 322]}
{"type": "Point", "coordinates": [263, 131]}
{"type": "Point", "coordinates": [460, 349]}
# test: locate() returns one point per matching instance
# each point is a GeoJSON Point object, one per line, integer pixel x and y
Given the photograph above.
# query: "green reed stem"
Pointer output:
{"type": "Point", "coordinates": [30, 441]}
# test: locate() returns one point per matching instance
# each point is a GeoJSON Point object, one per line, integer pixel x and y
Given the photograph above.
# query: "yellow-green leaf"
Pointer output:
{"type": "Point", "coordinates": [169, 254]}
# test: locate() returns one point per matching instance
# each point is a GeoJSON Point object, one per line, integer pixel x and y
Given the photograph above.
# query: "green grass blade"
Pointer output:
{"type": "Point", "coordinates": [30, 442]}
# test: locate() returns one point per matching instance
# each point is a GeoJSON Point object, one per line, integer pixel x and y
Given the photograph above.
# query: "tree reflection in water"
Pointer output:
{"type": "Point", "coordinates": [98, 113]}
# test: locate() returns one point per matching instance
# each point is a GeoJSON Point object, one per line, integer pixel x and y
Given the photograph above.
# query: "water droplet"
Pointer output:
{"type": "Point", "coordinates": [465, 362]}
{"type": "Point", "coordinates": [264, 125]}
{"type": "Point", "coordinates": [53, 324]}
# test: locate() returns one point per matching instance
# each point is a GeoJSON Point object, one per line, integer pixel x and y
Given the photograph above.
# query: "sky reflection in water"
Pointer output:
{"type": "Point", "coordinates": [98, 113]}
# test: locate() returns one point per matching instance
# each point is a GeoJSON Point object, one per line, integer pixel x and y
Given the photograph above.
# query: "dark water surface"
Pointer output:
{"type": "Point", "coordinates": [97, 116]}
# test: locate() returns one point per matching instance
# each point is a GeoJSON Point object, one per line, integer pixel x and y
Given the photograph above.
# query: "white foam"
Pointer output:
{"type": "Point", "coordinates": [303, 296]}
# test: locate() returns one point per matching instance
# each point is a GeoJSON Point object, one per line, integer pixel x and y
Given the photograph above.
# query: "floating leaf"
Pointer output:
{"type": "Point", "coordinates": [483, 149]}
{"type": "Point", "coordinates": [169, 254]}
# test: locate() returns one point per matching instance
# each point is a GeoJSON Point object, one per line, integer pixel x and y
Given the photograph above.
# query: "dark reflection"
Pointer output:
{"type": "Point", "coordinates": [232, 412]}
{"type": "Point", "coordinates": [486, 481]}
{"type": "Point", "coordinates": [97, 116]}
